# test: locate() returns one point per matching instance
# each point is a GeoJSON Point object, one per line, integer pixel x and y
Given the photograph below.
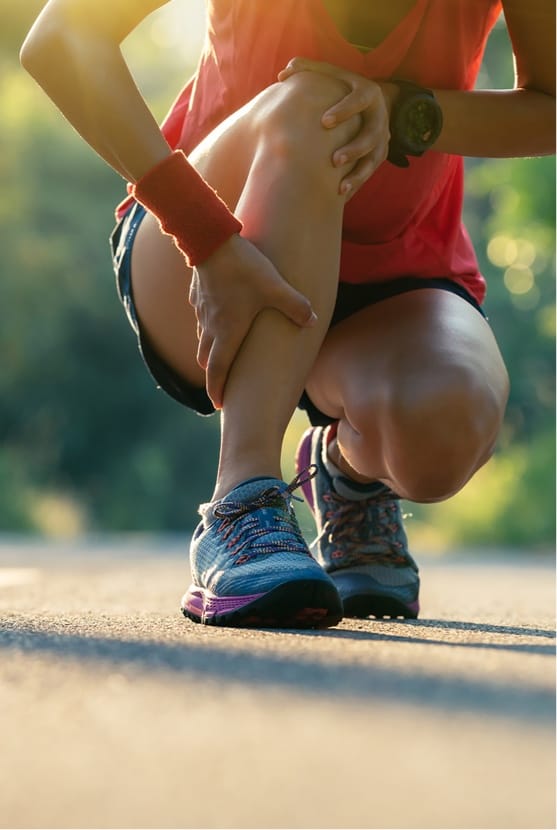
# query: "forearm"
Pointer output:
{"type": "Point", "coordinates": [82, 70]}
{"type": "Point", "coordinates": [88, 80]}
{"type": "Point", "coordinates": [497, 124]}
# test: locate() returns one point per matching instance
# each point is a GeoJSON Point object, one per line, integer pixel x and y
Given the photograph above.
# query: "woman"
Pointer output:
{"type": "Point", "coordinates": [331, 268]}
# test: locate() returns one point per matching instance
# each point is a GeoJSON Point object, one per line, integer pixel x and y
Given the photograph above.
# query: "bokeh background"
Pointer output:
{"type": "Point", "coordinates": [88, 445]}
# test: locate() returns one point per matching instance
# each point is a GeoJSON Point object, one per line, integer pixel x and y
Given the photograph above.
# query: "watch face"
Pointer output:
{"type": "Point", "coordinates": [419, 121]}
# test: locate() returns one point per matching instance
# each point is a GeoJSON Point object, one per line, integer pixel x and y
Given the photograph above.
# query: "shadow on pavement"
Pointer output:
{"type": "Point", "coordinates": [485, 628]}
{"type": "Point", "coordinates": [298, 673]}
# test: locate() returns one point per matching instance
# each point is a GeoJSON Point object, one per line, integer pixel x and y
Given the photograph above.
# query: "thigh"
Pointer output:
{"type": "Point", "coordinates": [406, 348]}
{"type": "Point", "coordinates": [419, 387]}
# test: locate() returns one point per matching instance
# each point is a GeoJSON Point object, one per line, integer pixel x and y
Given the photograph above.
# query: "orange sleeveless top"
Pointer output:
{"type": "Point", "coordinates": [402, 222]}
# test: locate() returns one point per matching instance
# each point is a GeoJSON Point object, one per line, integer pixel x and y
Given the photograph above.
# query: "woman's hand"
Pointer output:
{"type": "Point", "coordinates": [368, 99]}
{"type": "Point", "coordinates": [228, 291]}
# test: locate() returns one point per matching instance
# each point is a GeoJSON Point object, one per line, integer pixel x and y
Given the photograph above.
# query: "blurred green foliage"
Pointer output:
{"type": "Point", "coordinates": [86, 443]}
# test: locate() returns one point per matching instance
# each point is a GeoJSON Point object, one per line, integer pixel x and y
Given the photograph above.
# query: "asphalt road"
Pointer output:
{"type": "Point", "coordinates": [115, 712]}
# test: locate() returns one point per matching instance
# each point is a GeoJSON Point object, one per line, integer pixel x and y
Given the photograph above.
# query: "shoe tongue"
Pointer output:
{"type": "Point", "coordinates": [354, 491]}
{"type": "Point", "coordinates": [251, 488]}
{"type": "Point", "coordinates": [244, 492]}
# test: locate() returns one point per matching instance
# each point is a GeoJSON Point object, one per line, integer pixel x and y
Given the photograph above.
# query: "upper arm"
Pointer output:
{"type": "Point", "coordinates": [113, 21]}
{"type": "Point", "coordinates": [531, 25]}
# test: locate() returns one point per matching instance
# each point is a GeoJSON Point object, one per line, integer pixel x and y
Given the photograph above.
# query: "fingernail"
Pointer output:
{"type": "Point", "coordinates": [313, 319]}
{"type": "Point", "coordinates": [329, 120]}
{"type": "Point", "coordinates": [345, 188]}
{"type": "Point", "coordinates": [340, 160]}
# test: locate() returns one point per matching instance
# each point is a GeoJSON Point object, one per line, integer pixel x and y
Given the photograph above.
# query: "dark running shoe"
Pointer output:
{"type": "Point", "coordinates": [361, 540]}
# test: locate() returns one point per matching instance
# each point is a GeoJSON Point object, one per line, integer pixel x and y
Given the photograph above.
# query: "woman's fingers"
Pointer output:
{"type": "Point", "coordinates": [354, 102]}
{"type": "Point", "coordinates": [203, 347]}
{"type": "Point", "coordinates": [362, 171]}
{"type": "Point", "coordinates": [221, 357]}
{"type": "Point", "coordinates": [217, 350]}
{"type": "Point", "coordinates": [362, 96]}
{"type": "Point", "coordinates": [279, 294]}
{"type": "Point", "coordinates": [216, 372]}
{"type": "Point", "coordinates": [374, 136]}
{"type": "Point", "coordinates": [363, 154]}
{"type": "Point", "coordinates": [306, 65]}
{"type": "Point", "coordinates": [362, 91]}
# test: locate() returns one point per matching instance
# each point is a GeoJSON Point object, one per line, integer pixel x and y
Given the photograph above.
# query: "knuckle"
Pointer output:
{"type": "Point", "coordinates": [360, 97]}
{"type": "Point", "coordinates": [368, 119]}
{"type": "Point", "coordinates": [363, 173]}
{"type": "Point", "coordinates": [297, 62]}
{"type": "Point", "coordinates": [357, 151]}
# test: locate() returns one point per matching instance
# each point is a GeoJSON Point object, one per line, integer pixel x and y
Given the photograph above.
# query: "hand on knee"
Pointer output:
{"type": "Point", "coordinates": [291, 130]}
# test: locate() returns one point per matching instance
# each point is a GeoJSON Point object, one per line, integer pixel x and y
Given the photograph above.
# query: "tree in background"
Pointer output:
{"type": "Point", "coordinates": [85, 439]}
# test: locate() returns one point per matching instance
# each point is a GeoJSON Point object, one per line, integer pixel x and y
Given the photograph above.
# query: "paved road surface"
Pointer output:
{"type": "Point", "coordinates": [117, 713]}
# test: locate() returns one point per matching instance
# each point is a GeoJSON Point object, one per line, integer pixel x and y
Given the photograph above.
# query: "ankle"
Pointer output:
{"type": "Point", "coordinates": [228, 479]}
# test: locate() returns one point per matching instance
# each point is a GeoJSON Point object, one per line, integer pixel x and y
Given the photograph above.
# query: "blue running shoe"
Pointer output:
{"type": "Point", "coordinates": [251, 567]}
{"type": "Point", "coordinates": [361, 540]}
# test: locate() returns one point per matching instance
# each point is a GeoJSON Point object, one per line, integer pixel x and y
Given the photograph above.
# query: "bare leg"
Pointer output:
{"type": "Point", "coordinates": [417, 382]}
{"type": "Point", "coordinates": [285, 189]}
{"type": "Point", "coordinates": [419, 387]}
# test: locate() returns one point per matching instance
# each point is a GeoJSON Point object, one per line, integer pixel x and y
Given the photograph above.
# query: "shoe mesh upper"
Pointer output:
{"type": "Point", "coordinates": [357, 532]}
{"type": "Point", "coordinates": [250, 542]}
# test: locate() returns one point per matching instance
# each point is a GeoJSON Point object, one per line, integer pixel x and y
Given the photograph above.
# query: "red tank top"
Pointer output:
{"type": "Point", "coordinates": [402, 222]}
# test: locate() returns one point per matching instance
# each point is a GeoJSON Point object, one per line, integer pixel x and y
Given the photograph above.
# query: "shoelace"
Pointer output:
{"type": "Point", "coordinates": [248, 537]}
{"type": "Point", "coordinates": [360, 529]}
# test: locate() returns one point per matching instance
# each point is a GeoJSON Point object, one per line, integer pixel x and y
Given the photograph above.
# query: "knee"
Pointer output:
{"type": "Point", "coordinates": [437, 434]}
{"type": "Point", "coordinates": [443, 433]}
{"type": "Point", "coordinates": [289, 120]}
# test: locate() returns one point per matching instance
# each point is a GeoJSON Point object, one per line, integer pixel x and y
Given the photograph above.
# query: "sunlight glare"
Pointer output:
{"type": "Point", "coordinates": [180, 25]}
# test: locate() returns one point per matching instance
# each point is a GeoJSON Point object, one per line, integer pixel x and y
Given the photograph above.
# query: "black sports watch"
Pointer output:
{"type": "Point", "coordinates": [415, 123]}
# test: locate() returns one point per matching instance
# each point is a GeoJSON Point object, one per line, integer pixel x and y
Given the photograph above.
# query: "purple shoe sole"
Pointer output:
{"type": "Point", "coordinates": [203, 603]}
{"type": "Point", "coordinates": [300, 604]}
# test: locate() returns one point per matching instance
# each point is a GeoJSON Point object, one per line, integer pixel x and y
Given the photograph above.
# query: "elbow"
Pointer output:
{"type": "Point", "coordinates": [50, 46]}
{"type": "Point", "coordinates": [28, 53]}
{"type": "Point", "coordinates": [39, 49]}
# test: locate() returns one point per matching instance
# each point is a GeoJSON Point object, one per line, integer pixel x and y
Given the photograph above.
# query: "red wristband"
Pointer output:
{"type": "Point", "coordinates": [187, 207]}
